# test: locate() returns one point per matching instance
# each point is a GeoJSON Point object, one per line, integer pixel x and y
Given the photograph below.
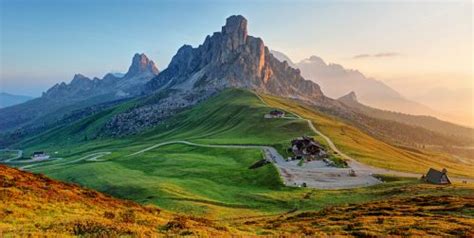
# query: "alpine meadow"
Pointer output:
{"type": "Point", "coordinates": [233, 137]}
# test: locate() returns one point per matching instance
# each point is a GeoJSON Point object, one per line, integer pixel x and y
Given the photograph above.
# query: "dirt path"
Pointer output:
{"type": "Point", "coordinates": [18, 155]}
{"type": "Point", "coordinates": [91, 157]}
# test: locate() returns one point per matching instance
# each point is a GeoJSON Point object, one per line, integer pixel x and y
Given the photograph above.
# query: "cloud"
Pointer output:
{"type": "Point", "coordinates": [379, 55]}
{"type": "Point", "coordinates": [386, 54]}
{"type": "Point", "coordinates": [362, 56]}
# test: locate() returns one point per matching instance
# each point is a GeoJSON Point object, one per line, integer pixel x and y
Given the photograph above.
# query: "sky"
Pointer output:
{"type": "Point", "coordinates": [417, 47]}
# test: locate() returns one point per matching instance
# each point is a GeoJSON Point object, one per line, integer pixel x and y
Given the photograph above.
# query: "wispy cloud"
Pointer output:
{"type": "Point", "coordinates": [379, 55]}
{"type": "Point", "coordinates": [361, 56]}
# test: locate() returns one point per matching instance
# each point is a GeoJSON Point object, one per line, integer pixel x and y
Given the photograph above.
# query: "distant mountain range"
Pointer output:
{"type": "Point", "coordinates": [7, 99]}
{"type": "Point", "coordinates": [336, 81]}
{"type": "Point", "coordinates": [228, 59]}
{"type": "Point", "coordinates": [63, 99]}
{"type": "Point", "coordinates": [427, 122]}
{"type": "Point", "coordinates": [81, 87]}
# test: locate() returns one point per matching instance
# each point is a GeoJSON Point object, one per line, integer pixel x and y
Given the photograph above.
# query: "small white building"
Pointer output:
{"type": "Point", "coordinates": [275, 114]}
{"type": "Point", "coordinates": [39, 155]}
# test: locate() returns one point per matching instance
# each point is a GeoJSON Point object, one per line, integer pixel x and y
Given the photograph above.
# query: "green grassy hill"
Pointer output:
{"type": "Point", "coordinates": [213, 182]}
{"type": "Point", "coordinates": [180, 177]}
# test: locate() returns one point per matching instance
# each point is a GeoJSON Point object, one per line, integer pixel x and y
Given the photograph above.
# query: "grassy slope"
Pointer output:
{"type": "Point", "coordinates": [33, 205]}
{"type": "Point", "coordinates": [194, 180]}
{"type": "Point", "coordinates": [369, 150]}
{"type": "Point", "coordinates": [419, 216]}
{"type": "Point", "coordinates": [234, 117]}
{"type": "Point", "coordinates": [211, 182]}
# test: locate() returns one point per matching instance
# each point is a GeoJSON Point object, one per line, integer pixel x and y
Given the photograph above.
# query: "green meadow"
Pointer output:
{"type": "Point", "coordinates": [211, 182]}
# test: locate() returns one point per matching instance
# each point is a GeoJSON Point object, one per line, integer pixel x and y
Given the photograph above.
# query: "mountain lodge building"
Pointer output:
{"type": "Point", "coordinates": [307, 147]}
{"type": "Point", "coordinates": [437, 177]}
{"type": "Point", "coordinates": [275, 114]}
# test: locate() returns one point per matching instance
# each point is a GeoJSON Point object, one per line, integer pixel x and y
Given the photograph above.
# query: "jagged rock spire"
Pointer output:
{"type": "Point", "coordinates": [141, 64]}
{"type": "Point", "coordinates": [236, 30]}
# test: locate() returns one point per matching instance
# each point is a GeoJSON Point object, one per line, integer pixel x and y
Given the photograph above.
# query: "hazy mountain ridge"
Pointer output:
{"type": "Point", "coordinates": [140, 71]}
{"type": "Point", "coordinates": [336, 81]}
{"type": "Point", "coordinates": [427, 122]}
{"type": "Point", "coordinates": [7, 99]}
{"type": "Point", "coordinates": [81, 92]}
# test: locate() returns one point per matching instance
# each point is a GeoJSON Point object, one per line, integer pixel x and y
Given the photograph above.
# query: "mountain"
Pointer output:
{"type": "Point", "coordinates": [427, 122]}
{"type": "Point", "coordinates": [7, 99]}
{"type": "Point", "coordinates": [81, 87]}
{"type": "Point", "coordinates": [336, 81]}
{"type": "Point", "coordinates": [228, 59]}
{"type": "Point", "coordinates": [82, 92]}
{"type": "Point", "coordinates": [232, 58]}
{"type": "Point", "coordinates": [282, 57]}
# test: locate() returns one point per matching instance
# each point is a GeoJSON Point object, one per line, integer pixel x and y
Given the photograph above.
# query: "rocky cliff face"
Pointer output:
{"type": "Point", "coordinates": [232, 58]}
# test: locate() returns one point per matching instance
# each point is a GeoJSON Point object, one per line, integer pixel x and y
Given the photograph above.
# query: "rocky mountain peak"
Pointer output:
{"type": "Point", "coordinates": [350, 97]}
{"type": "Point", "coordinates": [141, 64]}
{"type": "Point", "coordinates": [236, 29]}
{"type": "Point", "coordinates": [233, 59]}
{"type": "Point", "coordinates": [79, 78]}
{"type": "Point", "coordinates": [315, 60]}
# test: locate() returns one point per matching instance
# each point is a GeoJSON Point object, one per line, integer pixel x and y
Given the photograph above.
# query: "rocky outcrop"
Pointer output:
{"type": "Point", "coordinates": [232, 58]}
{"type": "Point", "coordinates": [141, 66]}
{"type": "Point", "coordinates": [349, 98]}
{"type": "Point", "coordinates": [144, 116]}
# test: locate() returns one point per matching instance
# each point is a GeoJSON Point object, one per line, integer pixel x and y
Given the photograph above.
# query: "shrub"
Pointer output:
{"type": "Point", "coordinates": [128, 216]}
{"type": "Point", "coordinates": [178, 223]}
{"type": "Point", "coordinates": [109, 215]}
{"type": "Point", "coordinates": [88, 228]}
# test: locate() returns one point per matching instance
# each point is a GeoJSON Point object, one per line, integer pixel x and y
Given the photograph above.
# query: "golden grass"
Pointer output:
{"type": "Point", "coordinates": [417, 216]}
{"type": "Point", "coordinates": [36, 205]}
{"type": "Point", "coordinates": [369, 150]}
